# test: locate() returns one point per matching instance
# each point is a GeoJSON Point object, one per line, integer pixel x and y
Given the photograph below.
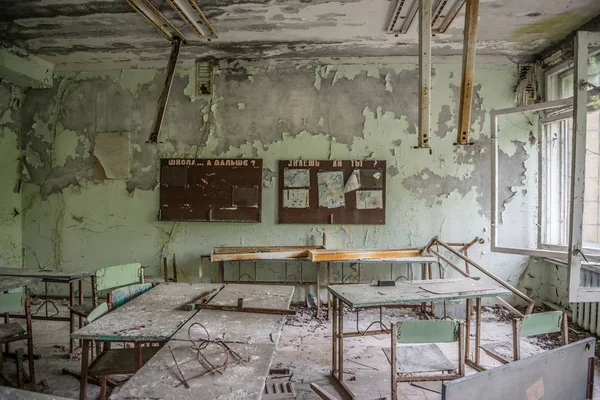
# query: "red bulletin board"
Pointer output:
{"type": "Point", "coordinates": [210, 190]}
{"type": "Point", "coordinates": [332, 191]}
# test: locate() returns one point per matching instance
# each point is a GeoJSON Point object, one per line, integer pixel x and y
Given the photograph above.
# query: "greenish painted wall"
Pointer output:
{"type": "Point", "coordinates": [10, 196]}
{"type": "Point", "coordinates": [317, 109]}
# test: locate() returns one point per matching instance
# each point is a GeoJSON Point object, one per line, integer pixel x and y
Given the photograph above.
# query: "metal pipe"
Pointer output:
{"type": "Point", "coordinates": [523, 296]}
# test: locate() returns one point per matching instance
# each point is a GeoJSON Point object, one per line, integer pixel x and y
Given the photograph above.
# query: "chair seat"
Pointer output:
{"type": "Point", "coordinates": [504, 350]}
{"type": "Point", "coordinates": [119, 361]}
{"type": "Point", "coordinates": [420, 358]}
{"type": "Point", "coordinates": [82, 310]}
{"type": "Point", "coordinates": [11, 329]}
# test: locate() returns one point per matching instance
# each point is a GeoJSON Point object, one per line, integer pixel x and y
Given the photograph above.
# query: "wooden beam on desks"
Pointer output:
{"type": "Point", "coordinates": [468, 68]}
{"type": "Point", "coordinates": [164, 96]}
{"type": "Point", "coordinates": [357, 255]}
{"type": "Point", "coordinates": [321, 392]}
{"type": "Point", "coordinates": [240, 308]}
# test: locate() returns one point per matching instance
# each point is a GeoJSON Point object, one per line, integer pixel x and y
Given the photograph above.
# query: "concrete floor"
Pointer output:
{"type": "Point", "coordinates": [304, 348]}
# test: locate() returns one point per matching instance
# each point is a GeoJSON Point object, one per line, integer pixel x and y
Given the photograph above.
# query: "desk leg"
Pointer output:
{"type": "Point", "coordinates": [334, 332]}
{"type": "Point", "coordinates": [80, 302]}
{"type": "Point", "coordinates": [328, 294]}
{"type": "Point", "coordinates": [477, 330]}
{"type": "Point", "coordinates": [137, 346]}
{"type": "Point", "coordinates": [221, 273]}
{"type": "Point", "coordinates": [71, 316]}
{"type": "Point", "coordinates": [468, 328]}
{"type": "Point", "coordinates": [318, 290]}
{"type": "Point", "coordinates": [84, 368]}
{"type": "Point", "coordinates": [341, 341]}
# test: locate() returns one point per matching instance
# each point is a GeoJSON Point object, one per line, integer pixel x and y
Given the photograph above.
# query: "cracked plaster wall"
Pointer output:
{"type": "Point", "coordinates": [272, 110]}
{"type": "Point", "coordinates": [10, 197]}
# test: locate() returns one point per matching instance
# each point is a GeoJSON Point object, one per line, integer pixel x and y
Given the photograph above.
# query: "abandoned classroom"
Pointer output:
{"type": "Point", "coordinates": [299, 199]}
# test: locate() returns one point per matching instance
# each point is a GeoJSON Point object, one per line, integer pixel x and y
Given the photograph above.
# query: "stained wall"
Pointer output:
{"type": "Point", "coordinates": [310, 109]}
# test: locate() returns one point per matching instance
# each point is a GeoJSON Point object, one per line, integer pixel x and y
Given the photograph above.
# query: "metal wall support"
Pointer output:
{"type": "Point", "coordinates": [424, 73]}
{"type": "Point", "coordinates": [164, 96]}
{"type": "Point", "coordinates": [468, 68]}
{"type": "Point", "coordinates": [578, 166]}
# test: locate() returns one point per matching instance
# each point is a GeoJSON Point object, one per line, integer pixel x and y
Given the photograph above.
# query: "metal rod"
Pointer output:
{"type": "Point", "coordinates": [164, 97]}
{"type": "Point", "coordinates": [517, 292]}
{"type": "Point", "coordinates": [468, 68]}
{"type": "Point", "coordinates": [424, 73]}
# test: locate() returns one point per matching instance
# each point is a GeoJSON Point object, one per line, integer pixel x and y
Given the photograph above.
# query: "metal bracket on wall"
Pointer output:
{"type": "Point", "coordinates": [424, 74]}
{"type": "Point", "coordinates": [468, 67]}
{"type": "Point", "coordinates": [164, 96]}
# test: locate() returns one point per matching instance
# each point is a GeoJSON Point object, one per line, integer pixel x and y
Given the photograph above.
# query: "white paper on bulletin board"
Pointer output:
{"type": "Point", "coordinates": [331, 189]}
{"type": "Point", "coordinates": [295, 198]}
{"type": "Point", "coordinates": [369, 199]}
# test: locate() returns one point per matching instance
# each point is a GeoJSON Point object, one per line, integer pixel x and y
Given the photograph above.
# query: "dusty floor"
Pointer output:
{"type": "Point", "coordinates": [304, 348]}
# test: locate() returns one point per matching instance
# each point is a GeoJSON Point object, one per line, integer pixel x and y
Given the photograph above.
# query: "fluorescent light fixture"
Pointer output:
{"type": "Point", "coordinates": [156, 18]}
{"type": "Point", "coordinates": [403, 16]}
{"type": "Point", "coordinates": [189, 12]}
{"type": "Point", "coordinates": [405, 11]}
{"type": "Point", "coordinates": [444, 14]}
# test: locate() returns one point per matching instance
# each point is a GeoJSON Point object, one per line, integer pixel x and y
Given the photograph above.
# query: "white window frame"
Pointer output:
{"type": "Point", "coordinates": [560, 109]}
{"type": "Point", "coordinates": [576, 257]}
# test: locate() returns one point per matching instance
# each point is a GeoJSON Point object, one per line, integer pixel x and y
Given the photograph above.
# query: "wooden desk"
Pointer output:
{"type": "Point", "coordinates": [252, 336]}
{"type": "Point", "coordinates": [10, 283]}
{"type": "Point", "coordinates": [154, 316]}
{"type": "Point", "coordinates": [52, 276]}
{"type": "Point", "coordinates": [413, 292]}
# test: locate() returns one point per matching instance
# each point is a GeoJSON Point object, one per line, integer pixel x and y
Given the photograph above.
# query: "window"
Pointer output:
{"type": "Point", "coordinates": [555, 168]}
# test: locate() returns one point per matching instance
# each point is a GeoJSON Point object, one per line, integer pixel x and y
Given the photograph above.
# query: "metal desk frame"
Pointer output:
{"type": "Point", "coordinates": [69, 278]}
{"type": "Point", "coordinates": [338, 334]}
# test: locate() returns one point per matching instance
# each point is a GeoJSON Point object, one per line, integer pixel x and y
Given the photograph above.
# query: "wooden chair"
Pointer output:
{"type": "Point", "coordinates": [109, 278]}
{"type": "Point", "coordinates": [13, 331]}
{"type": "Point", "coordinates": [418, 362]}
{"type": "Point", "coordinates": [528, 325]}
{"type": "Point", "coordinates": [123, 360]}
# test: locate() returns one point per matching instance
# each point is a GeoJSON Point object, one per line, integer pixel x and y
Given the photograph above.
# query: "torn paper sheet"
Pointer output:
{"type": "Point", "coordinates": [111, 149]}
{"type": "Point", "coordinates": [331, 189]}
{"type": "Point", "coordinates": [295, 198]}
{"type": "Point", "coordinates": [369, 199]}
{"type": "Point", "coordinates": [296, 178]}
{"type": "Point", "coordinates": [353, 182]}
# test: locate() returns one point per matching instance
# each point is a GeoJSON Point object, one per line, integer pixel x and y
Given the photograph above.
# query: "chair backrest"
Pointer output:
{"type": "Point", "coordinates": [97, 312]}
{"type": "Point", "coordinates": [118, 275]}
{"type": "Point", "coordinates": [120, 296]}
{"type": "Point", "coordinates": [428, 331]}
{"type": "Point", "coordinates": [540, 323]}
{"type": "Point", "coordinates": [10, 302]}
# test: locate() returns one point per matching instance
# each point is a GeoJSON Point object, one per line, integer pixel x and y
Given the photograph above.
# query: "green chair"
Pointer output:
{"type": "Point", "coordinates": [109, 278]}
{"type": "Point", "coordinates": [528, 325]}
{"type": "Point", "coordinates": [123, 360]}
{"type": "Point", "coordinates": [13, 331]}
{"type": "Point", "coordinates": [418, 362]}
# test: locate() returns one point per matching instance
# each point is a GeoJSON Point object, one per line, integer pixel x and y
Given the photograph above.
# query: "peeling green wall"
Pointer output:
{"type": "Point", "coordinates": [270, 110]}
{"type": "Point", "coordinates": [10, 195]}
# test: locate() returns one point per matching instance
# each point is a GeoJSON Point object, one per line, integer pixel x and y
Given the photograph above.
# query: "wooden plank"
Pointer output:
{"type": "Point", "coordinates": [233, 327]}
{"type": "Point", "coordinates": [15, 282]}
{"type": "Point", "coordinates": [153, 316]}
{"type": "Point", "coordinates": [428, 331]}
{"type": "Point", "coordinates": [15, 394]}
{"type": "Point", "coordinates": [420, 358]}
{"type": "Point", "coordinates": [321, 392]}
{"type": "Point", "coordinates": [540, 323]}
{"type": "Point", "coordinates": [369, 295]}
{"type": "Point", "coordinates": [255, 296]}
{"type": "Point", "coordinates": [424, 73]}
{"type": "Point", "coordinates": [468, 68]}
{"type": "Point", "coordinates": [11, 302]}
{"type": "Point", "coordinates": [118, 275]}
{"type": "Point", "coordinates": [261, 253]}
{"type": "Point", "coordinates": [530, 378]}
{"type": "Point", "coordinates": [159, 377]}
{"type": "Point", "coordinates": [46, 273]}
{"type": "Point", "coordinates": [358, 255]}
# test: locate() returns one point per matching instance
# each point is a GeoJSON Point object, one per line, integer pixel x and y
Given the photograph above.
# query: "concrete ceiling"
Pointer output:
{"type": "Point", "coordinates": [83, 33]}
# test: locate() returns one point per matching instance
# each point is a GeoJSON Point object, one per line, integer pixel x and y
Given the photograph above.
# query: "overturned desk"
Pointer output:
{"type": "Point", "coordinates": [65, 277]}
{"type": "Point", "coordinates": [415, 292]}
{"type": "Point", "coordinates": [216, 354]}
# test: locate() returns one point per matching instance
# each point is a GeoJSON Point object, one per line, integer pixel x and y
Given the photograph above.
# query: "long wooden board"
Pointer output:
{"type": "Point", "coordinates": [261, 253]}
{"type": "Point", "coordinates": [344, 255]}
